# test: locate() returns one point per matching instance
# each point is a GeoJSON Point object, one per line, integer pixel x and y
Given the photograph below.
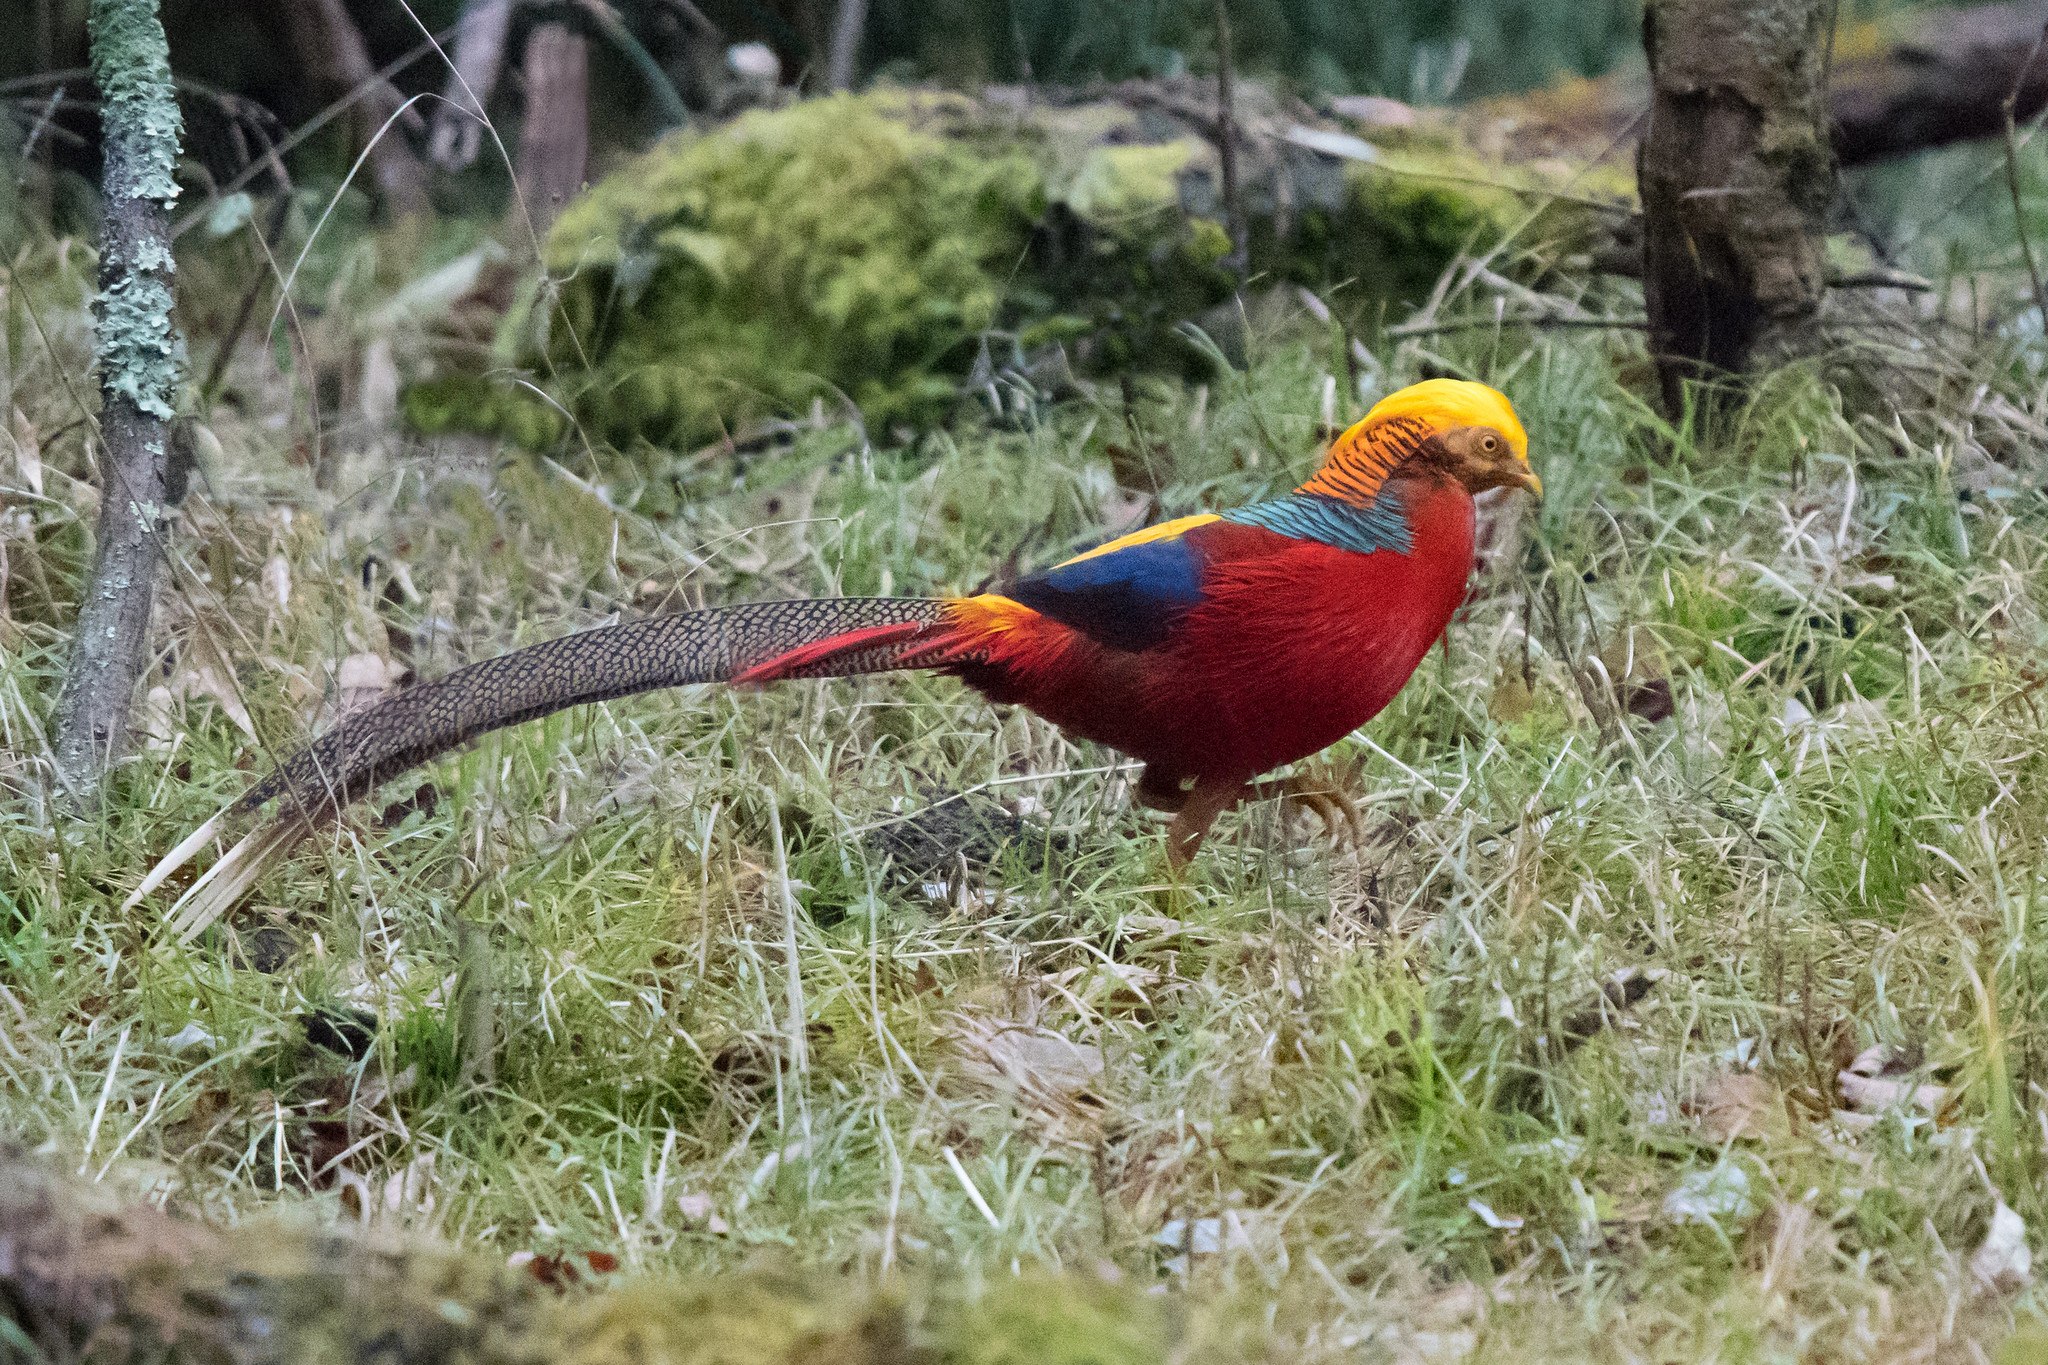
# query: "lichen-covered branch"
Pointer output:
{"type": "Point", "coordinates": [141, 362]}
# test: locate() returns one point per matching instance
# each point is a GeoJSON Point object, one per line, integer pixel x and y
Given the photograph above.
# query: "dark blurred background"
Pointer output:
{"type": "Point", "coordinates": [247, 65]}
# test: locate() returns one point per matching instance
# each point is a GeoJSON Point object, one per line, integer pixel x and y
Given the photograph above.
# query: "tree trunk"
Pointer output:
{"type": "Point", "coordinates": [554, 142]}
{"type": "Point", "coordinates": [335, 60]}
{"type": "Point", "coordinates": [141, 359]}
{"type": "Point", "coordinates": [1736, 177]}
{"type": "Point", "coordinates": [849, 25]}
{"type": "Point", "coordinates": [458, 121]}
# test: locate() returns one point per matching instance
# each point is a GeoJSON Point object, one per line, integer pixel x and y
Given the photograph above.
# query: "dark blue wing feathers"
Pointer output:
{"type": "Point", "coordinates": [1127, 599]}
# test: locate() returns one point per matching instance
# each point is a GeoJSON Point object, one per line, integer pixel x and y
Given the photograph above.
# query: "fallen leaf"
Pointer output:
{"type": "Point", "coordinates": [1104, 984]}
{"type": "Point", "coordinates": [277, 581]}
{"type": "Point", "coordinates": [412, 1188]}
{"type": "Point", "coordinates": [1191, 1237]}
{"type": "Point", "coordinates": [549, 1269]}
{"type": "Point", "coordinates": [561, 1272]}
{"type": "Point", "coordinates": [28, 453]}
{"type": "Point", "coordinates": [189, 1037]}
{"type": "Point", "coordinates": [1512, 700]}
{"type": "Point", "coordinates": [1483, 1211]}
{"type": "Point", "coordinates": [365, 678]}
{"type": "Point", "coordinates": [698, 1210]}
{"type": "Point", "coordinates": [1374, 111]}
{"type": "Point", "coordinates": [1045, 1072]}
{"type": "Point", "coordinates": [156, 719]}
{"type": "Point", "coordinates": [207, 673]}
{"type": "Point", "coordinates": [1123, 510]}
{"type": "Point", "coordinates": [1735, 1106]}
{"type": "Point", "coordinates": [2004, 1263]}
{"type": "Point", "coordinates": [1642, 680]}
{"type": "Point", "coordinates": [377, 388]}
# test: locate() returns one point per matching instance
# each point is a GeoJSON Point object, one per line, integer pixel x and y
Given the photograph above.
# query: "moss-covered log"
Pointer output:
{"type": "Point", "coordinates": [85, 1277]}
{"type": "Point", "coordinates": [1904, 82]}
{"type": "Point", "coordinates": [1945, 79]}
{"type": "Point", "coordinates": [883, 248]}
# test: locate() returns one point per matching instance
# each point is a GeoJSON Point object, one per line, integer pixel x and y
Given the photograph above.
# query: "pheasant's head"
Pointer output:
{"type": "Point", "coordinates": [1464, 430]}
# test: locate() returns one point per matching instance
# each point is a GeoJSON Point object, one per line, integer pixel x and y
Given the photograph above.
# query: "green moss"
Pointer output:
{"type": "Point", "coordinates": [819, 251]}
{"type": "Point", "coordinates": [1040, 1320]}
{"type": "Point", "coordinates": [862, 248]}
{"type": "Point", "coordinates": [465, 402]}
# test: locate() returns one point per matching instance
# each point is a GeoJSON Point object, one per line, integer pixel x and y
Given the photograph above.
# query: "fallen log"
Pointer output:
{"type": "Point", "coordinates": [1946, 82]}
{"type": "Point", "coordinates": [1903, 84]}
{"type": "Point", "coordinates": [86, 1275]}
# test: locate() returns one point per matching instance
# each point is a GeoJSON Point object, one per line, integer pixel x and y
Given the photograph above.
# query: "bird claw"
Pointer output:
{"type": "Point", "coordinates": [1323, 795]}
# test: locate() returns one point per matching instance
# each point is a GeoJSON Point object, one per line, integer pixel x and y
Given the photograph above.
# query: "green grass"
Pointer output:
{"type": "Point", "coordinates": [1392, 1088]}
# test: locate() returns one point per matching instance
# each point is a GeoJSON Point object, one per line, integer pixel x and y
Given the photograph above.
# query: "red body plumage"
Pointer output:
{"type": "Point", "coordinates": [1294, 644]}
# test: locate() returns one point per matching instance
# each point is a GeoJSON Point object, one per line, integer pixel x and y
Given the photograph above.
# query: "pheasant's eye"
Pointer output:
{"type": "Point", "coordinates": [1490, 443]}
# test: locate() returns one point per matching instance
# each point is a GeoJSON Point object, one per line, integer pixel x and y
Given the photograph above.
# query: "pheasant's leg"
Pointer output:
{"type": "Point", "coordinates": [1209, 799]}
{"type": "Point", "coordinates": [1328, 799]}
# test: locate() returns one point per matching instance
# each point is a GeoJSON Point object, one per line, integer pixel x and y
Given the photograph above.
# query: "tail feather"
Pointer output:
{"type": "Point", "coordinates": [716, 645]}
{"type": "Point", "coordinates": [758, 642]}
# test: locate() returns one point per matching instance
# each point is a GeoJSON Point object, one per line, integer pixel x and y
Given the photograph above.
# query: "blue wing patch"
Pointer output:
{"type": "Point", "coordinates": [1127, 598]}
{"type": "Point", "coordinates": [1381, 524]}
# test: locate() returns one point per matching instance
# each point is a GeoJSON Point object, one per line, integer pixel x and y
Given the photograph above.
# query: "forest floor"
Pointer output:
{"type": "Point", "coordinates": [1685, 999]}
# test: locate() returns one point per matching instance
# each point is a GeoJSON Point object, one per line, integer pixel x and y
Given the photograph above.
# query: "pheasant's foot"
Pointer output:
{"type": "Point", "coordinates": [1323, 795]}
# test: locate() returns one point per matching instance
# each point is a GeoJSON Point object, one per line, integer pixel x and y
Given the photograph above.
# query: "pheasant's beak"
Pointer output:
{"type": "Point", "coordinates": [1525, 477]}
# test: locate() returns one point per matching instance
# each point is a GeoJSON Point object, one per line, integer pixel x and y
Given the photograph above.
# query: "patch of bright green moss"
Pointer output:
{"type": "Point", "coordinates": [822, 250]}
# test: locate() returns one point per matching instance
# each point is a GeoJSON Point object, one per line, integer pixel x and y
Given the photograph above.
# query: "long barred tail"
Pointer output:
{"type": "Point", "coordinates": [756, 642]}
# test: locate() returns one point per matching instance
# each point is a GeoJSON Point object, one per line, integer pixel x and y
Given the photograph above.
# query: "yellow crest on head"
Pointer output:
{"type": "Point", "coordinates": [1447, 403]}
{"type": "Point", "coordinates": [1363, 458]}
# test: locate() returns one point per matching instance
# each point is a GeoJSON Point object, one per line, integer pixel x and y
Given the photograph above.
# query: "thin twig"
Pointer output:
{"type": "Point", "coordinates": [216, 373]}
{"type": "Point", "coordinates": [2012, 174]}
{"type": "Point", "coordinates": [1881, 279]}
{"type": "Point", "coordinates": [1546, 322]}
{"type": "Point", "coordinates": [1226, 144]}
{"type": "Point", "coordinates": [35, 134]}
{"type": "Point", "coordinates": [307, 129]}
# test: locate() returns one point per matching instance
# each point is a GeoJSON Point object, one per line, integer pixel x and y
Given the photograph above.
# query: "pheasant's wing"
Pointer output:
{"type": "Point", "coordinates": [1129, 593]}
